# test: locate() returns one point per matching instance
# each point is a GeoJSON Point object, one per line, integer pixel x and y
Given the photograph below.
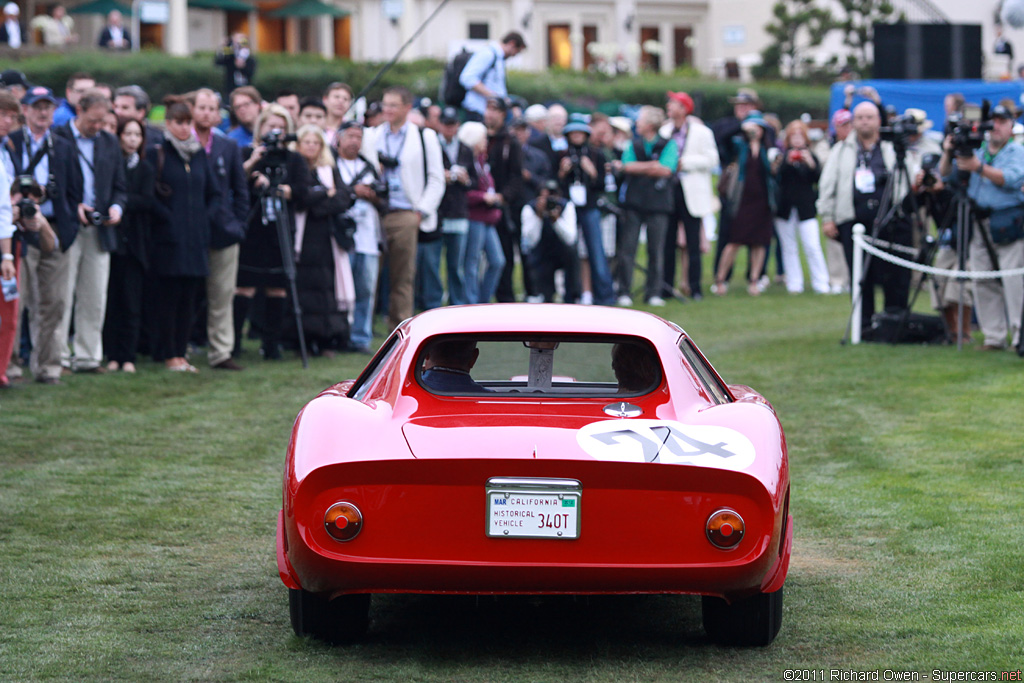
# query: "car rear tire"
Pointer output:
{"type": "Point", "coordinates": [754, 621]}
{"type": "Point", "coordinates": [342, 620]}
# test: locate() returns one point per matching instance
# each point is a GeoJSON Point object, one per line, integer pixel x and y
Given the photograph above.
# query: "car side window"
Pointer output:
{"type": "Point", "coordinates": [370, 373]}
{"type": "Point", "coordinates": [716, 387]}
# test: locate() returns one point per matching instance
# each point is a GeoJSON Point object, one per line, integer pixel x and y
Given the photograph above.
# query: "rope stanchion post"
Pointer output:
{"type": "Point", "coordinates": [856, 276]}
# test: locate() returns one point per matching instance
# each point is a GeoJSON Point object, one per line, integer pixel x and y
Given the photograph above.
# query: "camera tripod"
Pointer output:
{"type": "Point", "coordinates": [275, 210]}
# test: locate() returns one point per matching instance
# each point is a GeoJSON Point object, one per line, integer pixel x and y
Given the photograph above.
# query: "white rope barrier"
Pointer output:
{"type": "Point", "coordinates": [864, 244]}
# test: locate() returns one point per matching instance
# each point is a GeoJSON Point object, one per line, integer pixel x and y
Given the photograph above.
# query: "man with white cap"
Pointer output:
{"type": "Point", "coordinates": [537, 116]}
{"type": "Point", "coordinates": [10, 31]}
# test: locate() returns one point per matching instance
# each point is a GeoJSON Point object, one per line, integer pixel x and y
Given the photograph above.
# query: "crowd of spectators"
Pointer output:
{"type": "Point", "coordinates": [234, 214]}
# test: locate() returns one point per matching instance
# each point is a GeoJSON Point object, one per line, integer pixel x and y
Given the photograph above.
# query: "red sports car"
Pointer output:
{"type": "Point", "coordinates": [536, 449]}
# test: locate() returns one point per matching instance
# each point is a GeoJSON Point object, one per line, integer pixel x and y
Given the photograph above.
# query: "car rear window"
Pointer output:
{"type": "Point", "coordinates": [538, 365]}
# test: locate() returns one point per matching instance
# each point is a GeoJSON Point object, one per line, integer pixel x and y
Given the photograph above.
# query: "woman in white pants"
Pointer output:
{"type": "Point", "coordinates": [796, 217]}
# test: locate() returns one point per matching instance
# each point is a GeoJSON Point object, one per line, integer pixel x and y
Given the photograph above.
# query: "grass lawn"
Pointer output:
{"type": "Point", "coordinates": [137, 518]}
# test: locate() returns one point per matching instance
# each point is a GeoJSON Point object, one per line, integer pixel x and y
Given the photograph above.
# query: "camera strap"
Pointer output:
{"type": "Point", "coordinates": [45, 148]}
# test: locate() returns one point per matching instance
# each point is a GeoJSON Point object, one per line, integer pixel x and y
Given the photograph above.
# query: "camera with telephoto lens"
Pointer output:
{"type": "Point", "coordinates": [900, 130]}
{"type": "Point", "coordinates": [967, 128]}
{"type": "Point", "coordinates": [31, 195]}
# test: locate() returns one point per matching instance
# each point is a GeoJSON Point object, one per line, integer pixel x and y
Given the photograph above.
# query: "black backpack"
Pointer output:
{"type": "Point", "coordinates": [451, 91]}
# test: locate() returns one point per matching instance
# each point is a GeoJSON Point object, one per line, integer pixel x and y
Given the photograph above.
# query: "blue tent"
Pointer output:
{"type": "Point", "coordinates": [928, 95]}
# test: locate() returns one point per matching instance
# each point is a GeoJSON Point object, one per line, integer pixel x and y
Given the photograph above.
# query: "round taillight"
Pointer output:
{"type": "Point", "coordinates": [343, 521]}
{"type": "Point", "coordinates": [725, 529]}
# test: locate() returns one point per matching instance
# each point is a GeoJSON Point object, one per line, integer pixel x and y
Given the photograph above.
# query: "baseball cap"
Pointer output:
{"type": "Point", "coordinates": [841, 117]}
{"type": "Point", "coordinates": [683, 99]}
{"type": "Point", "coordinates": [14, 77]}
{"type": "Point", "coordinates": [745, 96]}
{"type": "Point", "coordinates": [449, 115]}
{"type": "Point", "coordinates": [536, 112]}
{"type": "Point", "coordinates": [1004, 110]}
{"type": "Point", "coordinates": [37, 93]}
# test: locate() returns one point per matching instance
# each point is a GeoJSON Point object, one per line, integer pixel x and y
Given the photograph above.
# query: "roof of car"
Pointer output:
{"type": "Point", "coordinates": [546, 318]}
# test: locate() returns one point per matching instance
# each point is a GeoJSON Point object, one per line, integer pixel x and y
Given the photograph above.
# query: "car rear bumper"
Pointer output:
{"type": "Point", "coordinates": [642, 531]}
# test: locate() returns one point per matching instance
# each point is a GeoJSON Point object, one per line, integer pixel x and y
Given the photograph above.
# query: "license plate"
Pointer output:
{"type": "Point", "coordinates": [533, 508]}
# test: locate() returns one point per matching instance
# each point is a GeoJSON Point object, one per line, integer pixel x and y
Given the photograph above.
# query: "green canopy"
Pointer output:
{"type": "Point", "coordinates": [101, 7]}
{"type": "Point", "coordinates": [305, 9]}
{"type": "Point", "coordinates": [224, 5]}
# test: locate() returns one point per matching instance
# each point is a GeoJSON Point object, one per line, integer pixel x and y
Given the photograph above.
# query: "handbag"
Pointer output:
{"type": "Point", "coordinates": [730, 188]}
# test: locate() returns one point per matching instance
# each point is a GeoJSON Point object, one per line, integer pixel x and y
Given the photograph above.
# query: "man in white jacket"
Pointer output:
{"type": "Point", "coordinates": [411, 165]}
{"type": "Point", "coordinates": [694, 197]}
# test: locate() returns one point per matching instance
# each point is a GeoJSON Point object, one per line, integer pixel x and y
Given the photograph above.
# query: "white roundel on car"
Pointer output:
{"type": "Point", "coordinates": [666, 441]}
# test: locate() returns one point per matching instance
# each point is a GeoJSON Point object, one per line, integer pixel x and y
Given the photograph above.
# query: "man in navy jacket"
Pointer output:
{"type": "Point", "coordinates": [227, 231]}
{"type": "Point", "coordinates": [100, 170]}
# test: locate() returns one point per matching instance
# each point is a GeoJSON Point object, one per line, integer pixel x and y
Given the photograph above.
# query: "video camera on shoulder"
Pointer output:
{"type": "Point", "coordinates": [32, 195]}
{"type": "Point", "coordinates": [967, 127]}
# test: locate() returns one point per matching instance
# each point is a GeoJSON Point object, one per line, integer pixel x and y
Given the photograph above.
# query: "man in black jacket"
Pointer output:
{"type": "Point", "coordinates": [504, 155]}
{"type": "Point", "coordinates": [227, 231]}
{"type": "Point", "coordinates": [100, 169]}
{"type": "Point", "coordinates": [460, 175]}
{"type": "Point", "coordinates": [50, 160]}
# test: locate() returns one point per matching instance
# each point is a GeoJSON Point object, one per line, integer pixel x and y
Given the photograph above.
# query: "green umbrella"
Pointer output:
{"type": "Point", "coordinates": [305, 9]}
{"type": "Point", "coordinates": [101, 7]}
{"type": "Point", "coordinates": [225, 5]}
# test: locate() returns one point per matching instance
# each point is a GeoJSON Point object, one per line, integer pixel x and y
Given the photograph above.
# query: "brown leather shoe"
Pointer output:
{"type": "Point", "coordinates": [228, 364]}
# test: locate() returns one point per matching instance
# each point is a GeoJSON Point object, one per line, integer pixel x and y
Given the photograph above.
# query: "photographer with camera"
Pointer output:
{"type": "Point", "coordinates": [581, 177]}
{"type": "Point", "coordinates": [993, 172]}
{"type": "Point", "coordinates": [550, 232]}
{"type": "Point", "coordinates": [410, 161]}
{"type": "Point", "coordinates": [104, 194]}
{"type": "Point", "coordinates": [49, 160]}
{"type": "Point", "coordinates": [278, 178]}
{"type": "Point", "coordinates": [850, 190]}
{"type": "Point", "coordinates": [362, 181]}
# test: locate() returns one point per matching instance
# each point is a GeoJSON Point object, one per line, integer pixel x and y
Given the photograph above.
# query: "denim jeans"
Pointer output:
{"type": "Point", "coordinates": [480, 287]}
{"type": "Point", "coordinates": [429, 289]}
{"type": "Point", "coordinates": [364, 276]}
{"type": "Point", "coordinates": [455, 256]}
{"type": "Point", "coordinates": [589, 221]}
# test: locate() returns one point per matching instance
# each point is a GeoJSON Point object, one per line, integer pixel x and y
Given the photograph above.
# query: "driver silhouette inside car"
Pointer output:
{"type": "Point", "coordinates": [635, 368]}
{"type": "Point", "coordinates": [447, 364]}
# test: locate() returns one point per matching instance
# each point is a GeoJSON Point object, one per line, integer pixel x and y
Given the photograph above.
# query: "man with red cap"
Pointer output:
{"type": "Point", "coordinates": [694, 199]}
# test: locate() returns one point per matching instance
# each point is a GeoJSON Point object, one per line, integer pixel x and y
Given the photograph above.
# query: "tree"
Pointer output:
{"type": "Point", "coordinates": [858, 26]}
{"type": "Point", "coordinates": [796, 27]}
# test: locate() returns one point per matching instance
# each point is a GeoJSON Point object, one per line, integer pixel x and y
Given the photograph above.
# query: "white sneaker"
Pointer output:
{"type": "Point", "coordinates": [655, 301]}
{"type": "Point", "coordinates": [535, 299]}
{"type": "Point", "coordinates": [587, 298]}
{"type": "Point", "coordinates": [625, 300]}
{"type": "Point", "coordinates": [764, 283]}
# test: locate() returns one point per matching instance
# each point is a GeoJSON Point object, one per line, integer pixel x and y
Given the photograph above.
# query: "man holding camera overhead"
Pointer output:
{"type": "Point", "coordinates": [996, 172]}
{"type": "Point", "coordinates": [104, 192]}
{"type": "Point", "coordinates": [48, 160]}
{"type": "Point", "coordinates": [410, 161]}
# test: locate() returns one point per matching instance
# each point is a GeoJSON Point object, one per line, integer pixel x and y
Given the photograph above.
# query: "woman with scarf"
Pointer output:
{"type": "Point", "coordinates": [323, 277]}
{"type": "Point", "coordinates": [187, 199]}
{"type": "Point", "coordinates": [275, 172]}
{"type": "Point", "coordinates": [750, 201]}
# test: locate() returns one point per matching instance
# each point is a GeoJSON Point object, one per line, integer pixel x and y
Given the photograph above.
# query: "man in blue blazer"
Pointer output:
{"type": "Point", "coordinates": [101, 174]}
{"type": "Point", "coordinates": [226, 233]}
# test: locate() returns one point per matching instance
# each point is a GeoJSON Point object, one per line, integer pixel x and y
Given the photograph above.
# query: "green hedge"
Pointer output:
{"type": "Point", "coordinates": [161, 74]}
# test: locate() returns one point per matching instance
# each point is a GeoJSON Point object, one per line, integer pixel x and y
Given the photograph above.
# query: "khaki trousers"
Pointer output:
{"type": "Point", "coordinates": [220, 296]}
{"type": "Point", "coordinates": [46, 281]}
{"type": "Point", "coordinates": [88, 273]}
{"type": "Point", "coordinates": [997, 302]}
{"type": "Point", "coordinates": [401, 231]}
